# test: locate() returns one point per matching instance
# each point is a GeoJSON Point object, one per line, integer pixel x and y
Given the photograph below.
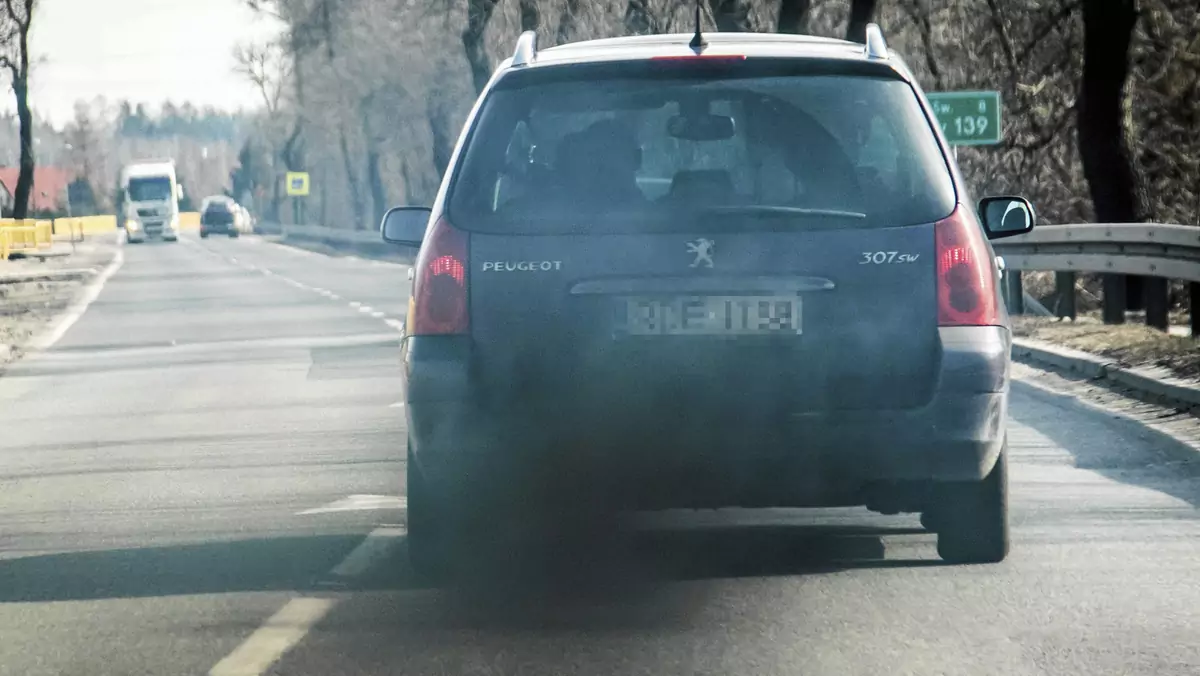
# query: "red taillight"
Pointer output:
{"type": "Point", "coordinates": [966, 280]}
{"type": "Point", "coordinates": [440, 288]}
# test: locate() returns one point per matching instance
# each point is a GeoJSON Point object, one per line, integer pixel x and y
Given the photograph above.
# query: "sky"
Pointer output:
{"type": "Point", "coordinates": [142, 50]}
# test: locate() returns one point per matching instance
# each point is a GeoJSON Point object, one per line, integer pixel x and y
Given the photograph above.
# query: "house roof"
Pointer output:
{"type": "Point", "coordinates": [49, 186]}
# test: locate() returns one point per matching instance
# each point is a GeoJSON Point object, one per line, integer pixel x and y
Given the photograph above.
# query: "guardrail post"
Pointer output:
{"type": "Point", "coordinates": [1014, 296]}
{"type": "Point", "coordinates": [1156, 296]}
{"type": "Point", "coordinates": [1064, 295]}
{"type": "Point", "coordinates": [1114, 299]}
{"type": "Point", "coordinates": [1194, 308]}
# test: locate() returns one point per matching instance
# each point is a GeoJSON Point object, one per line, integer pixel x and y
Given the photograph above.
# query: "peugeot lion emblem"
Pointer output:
{"type": "Point", "coordinates": [703, 250]}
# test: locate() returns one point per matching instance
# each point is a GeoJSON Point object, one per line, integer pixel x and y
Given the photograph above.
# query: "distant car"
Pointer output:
{"type": "Point", "coordinates": [219, 215]}
{"type": "Point", "coordinates": [739, 273]}
{"type": "Point", "coordinates": [245, 221]}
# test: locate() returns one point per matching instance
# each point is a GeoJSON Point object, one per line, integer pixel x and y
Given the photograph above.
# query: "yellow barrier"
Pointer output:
{"type": "Point", "coordinates": [26, 235]}
{"type": "Point", "coordinates": [97, 224]}
{"type": "Point", "coordinates": [31, 234]}
{"type": "Point", "coordinates": [70, 229]}
{"type": "Point", "coordinates": [189, 220]}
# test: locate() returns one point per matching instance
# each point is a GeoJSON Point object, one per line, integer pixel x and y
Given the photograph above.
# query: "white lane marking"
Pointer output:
{"type": "Point", "coordinates": [395, 324]}
{"type": "Point", "coordinates": [378, 543]}
{"type": "Point", "coordinates": [366, 309]}
{"type": "Point", "coordinates": [378, 315]}
{"type": "Point", "coordinates": [398, 404]}
{"type": "Point", "coordinates": [334, 296]}
{"type": "Point", "coordinates": [355, 303]}
{"type": "Point", "coordinates": [76, 309]}
{"type": "Point", "coordinates": [360, 503]}
{"type": "Point", "coordinates": [233, 260]}
{"type": "Point", "coordinates": [291, 623]}
{"type": "Point", "coordinates": [280, 633]}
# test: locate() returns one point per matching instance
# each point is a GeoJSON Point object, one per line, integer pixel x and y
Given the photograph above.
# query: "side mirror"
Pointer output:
{"type": "Point", "coordinates": [1006, 216]}
{"type": "Point", "coordinates": [405, 225]}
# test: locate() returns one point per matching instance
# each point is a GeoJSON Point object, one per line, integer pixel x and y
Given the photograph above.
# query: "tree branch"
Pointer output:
{"type": "Point", "coordinates": [1055, 21]}
{"type": "Point", "coordinates": [6, 62]}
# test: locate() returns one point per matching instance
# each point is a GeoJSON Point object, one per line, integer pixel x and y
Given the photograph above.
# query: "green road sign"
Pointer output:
{"type": "Point", "coordinates": [968, 118]}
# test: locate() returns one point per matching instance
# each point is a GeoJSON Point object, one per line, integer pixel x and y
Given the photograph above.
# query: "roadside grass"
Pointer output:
{"type": "Point", "coordinates": [1130, 344]}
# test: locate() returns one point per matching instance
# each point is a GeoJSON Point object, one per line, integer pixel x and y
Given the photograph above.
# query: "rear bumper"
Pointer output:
{"type": "Point", "coordinates": [728, 455]}
{"type": "Point", "coordinates": [153, 230]}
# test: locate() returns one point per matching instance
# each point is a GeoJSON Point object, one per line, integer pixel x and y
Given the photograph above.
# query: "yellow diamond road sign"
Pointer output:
{"type": "Point", "coordinates": [297, 184]}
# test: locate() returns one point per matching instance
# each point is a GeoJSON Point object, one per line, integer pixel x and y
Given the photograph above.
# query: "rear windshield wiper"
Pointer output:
{"type": "Point", "coordinates": [781, 212]}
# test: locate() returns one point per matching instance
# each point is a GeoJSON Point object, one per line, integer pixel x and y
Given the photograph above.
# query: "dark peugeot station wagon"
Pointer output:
{"type": "Point", "coordinates": [678, 271]}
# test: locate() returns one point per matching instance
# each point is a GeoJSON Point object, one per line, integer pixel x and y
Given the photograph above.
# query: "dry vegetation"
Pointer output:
{"type": "Point", "coordinates": [1126, 344]}
{"type": "Point", "coordinates": [26, 307]}
{"type": "Point", "coordinates": [369, 95]}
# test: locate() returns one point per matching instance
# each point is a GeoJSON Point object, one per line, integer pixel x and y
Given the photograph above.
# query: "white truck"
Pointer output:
{"type": "Point", "coordinates": [148, 195]}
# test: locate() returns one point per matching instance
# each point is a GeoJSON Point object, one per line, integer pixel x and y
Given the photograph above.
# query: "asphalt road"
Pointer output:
{"type": "Point", "coordinates": [176, 482]}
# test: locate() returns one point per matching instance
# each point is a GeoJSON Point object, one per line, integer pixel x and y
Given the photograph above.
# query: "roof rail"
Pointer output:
{"type": "Point", "coordinates": [526, 50]}
{"type": "Point", "coordinates": [876, 48]}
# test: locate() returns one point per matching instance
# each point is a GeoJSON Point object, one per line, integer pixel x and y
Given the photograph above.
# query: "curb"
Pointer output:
{"type": "Point", "coordinates": [46, 275]}
{"type": "Point", "coordinates": [1146, 387]}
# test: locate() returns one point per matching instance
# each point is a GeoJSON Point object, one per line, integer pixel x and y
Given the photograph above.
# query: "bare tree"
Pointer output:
{"type": "Point", "coordinates": [918, 12]}
{"type": "Point", "coordinates": [862, 12]}
{"type": "Point", "coordinates": [15, 22]}
{"type": "Point", "coordinates": [567, 21]}
{"type": "Point", "coordinates": [639, 19]}
{"type": "Point", "coordinates": [266, 67]}
{"type": "Point", "coordinates": [530, 14]}
{"type": "Point", "coordinates": [793, 16]}
{"type": "Point", "coordinates": [479, 13]}
{"type": "Point", "coordinates": [731, 16]}
{"type": "Point", "coordinates": [1104, 137]}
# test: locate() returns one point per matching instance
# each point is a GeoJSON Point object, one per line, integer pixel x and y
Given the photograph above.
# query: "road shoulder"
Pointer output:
{"type": "Point", "coordinates": [40, 300]}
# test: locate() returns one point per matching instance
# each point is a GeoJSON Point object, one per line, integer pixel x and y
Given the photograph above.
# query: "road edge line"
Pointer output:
{"type": "Point", "coordinates": [279, 634]}
{"type": "Point", "coordinates": [77, 308]}
{"type": "Point", "coordinates": [291, 623]}
{"type": "Point", "coordinates": [1141, 386]}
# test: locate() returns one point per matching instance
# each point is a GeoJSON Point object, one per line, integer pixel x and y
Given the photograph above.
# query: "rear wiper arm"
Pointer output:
{"type": "Point", "coordinates": [784, 212]}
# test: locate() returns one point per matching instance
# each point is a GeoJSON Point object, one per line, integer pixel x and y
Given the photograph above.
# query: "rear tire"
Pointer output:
{"type": "Point", "coordinates": [233, 235]}
{"type": "Point", "coordinates": [971, 518]}
{"type": "Point", "coordinates": [203, 234]}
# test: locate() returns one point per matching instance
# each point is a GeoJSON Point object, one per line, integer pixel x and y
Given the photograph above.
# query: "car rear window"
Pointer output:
{"type": "Point", "coordinates": [646, 148]}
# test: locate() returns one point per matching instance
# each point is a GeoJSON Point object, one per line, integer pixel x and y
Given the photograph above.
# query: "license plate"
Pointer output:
{"type": "Point", "coordinates": [712, 315]}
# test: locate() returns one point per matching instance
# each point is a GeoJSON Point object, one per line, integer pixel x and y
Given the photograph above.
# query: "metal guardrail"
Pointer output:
{"type": "Point", "coordinates": [331, 236]}
{"type": "Point", "coordinates": [365, 242]}
{"type": "Point", "coordinates": [1152, 249]}
{"type": "Point", "coordinates": [1155, 250]}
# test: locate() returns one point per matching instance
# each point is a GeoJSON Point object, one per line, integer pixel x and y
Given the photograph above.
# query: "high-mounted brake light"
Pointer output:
{"type": "Point", "coordinates": [440, 288]}
{"type": "Point", "coordinates": [966, 280]}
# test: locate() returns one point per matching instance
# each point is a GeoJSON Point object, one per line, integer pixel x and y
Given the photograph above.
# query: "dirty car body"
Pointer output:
{"type": "Point", "coordinates": [748, 275]}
